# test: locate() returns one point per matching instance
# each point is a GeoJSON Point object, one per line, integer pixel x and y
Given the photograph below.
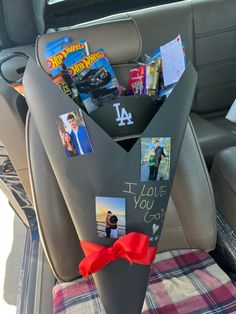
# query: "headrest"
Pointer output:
{"type": "Point", "coordinates": [120, 39]}
{"type": "Point", "coordinates": [24, 20]}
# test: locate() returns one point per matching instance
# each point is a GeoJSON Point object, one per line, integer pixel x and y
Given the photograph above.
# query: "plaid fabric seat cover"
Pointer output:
{"type": "Point", "coordinates": [181, 281]}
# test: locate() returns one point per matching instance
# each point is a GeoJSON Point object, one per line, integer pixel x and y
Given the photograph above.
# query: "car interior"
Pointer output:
{"type": "Point", "coordinates": [200, 218]}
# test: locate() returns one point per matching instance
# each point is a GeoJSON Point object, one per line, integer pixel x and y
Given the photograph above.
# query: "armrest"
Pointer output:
{"type": "Point", "coordinates": [225, 251]}
{"type": "Point", "coordinates": [223, 177]}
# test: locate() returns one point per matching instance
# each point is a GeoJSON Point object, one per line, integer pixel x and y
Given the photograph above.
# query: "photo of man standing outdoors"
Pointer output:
{"type": "Point", "coordinates": [159, 153]}
{"type": "Point", "coordinates": [155, 158]}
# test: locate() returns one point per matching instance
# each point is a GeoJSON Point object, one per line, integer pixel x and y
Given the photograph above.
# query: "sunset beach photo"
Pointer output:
{"type": "Point", "coordinates": [110, 217]}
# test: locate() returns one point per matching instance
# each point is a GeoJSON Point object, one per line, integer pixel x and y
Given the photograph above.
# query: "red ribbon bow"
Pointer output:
{"type": "Point", "coordinates": [132, 247]}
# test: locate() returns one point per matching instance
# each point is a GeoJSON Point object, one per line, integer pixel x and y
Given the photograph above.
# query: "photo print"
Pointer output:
{"type": "Point", "coordinates": [110, 217]}
{"type": "Point", "coordinates": [73, 133]}
{"type": "Point", "coordinates": [155, 158]}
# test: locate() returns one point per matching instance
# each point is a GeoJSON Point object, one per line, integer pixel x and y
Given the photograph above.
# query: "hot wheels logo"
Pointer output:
{"type": "Point", "coordinates": [56, 61]}
{"type": "Point", "coordinates": [85, 63]}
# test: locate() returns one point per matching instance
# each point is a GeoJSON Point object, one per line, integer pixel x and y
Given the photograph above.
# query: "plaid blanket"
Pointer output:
{"type": "Point", "coordinates": [181, 281]}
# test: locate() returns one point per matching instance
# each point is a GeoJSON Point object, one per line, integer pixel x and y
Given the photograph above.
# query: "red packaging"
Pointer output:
{"type": "Point", "coordinates": [137, 81]}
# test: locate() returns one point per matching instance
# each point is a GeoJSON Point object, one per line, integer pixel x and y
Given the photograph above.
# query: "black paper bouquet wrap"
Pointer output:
{"type": "Point", "coordinates": [120, 266]}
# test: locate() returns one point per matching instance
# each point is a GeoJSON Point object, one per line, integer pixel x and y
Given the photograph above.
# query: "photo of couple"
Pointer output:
{"type": "Point", "coordinates": [110, 217]}
{"type": "Point", "coordinates": [155, 158]}
{"type": "Point", "coordinates": [73, 133]}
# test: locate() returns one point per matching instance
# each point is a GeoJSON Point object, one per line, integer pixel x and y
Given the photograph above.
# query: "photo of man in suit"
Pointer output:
{"type": "Point", "coordinates": [159, 153]}
{"type": "Point", "coordinates": [155, 158]}
{"type": "Point", "coordinates": [79, 135]}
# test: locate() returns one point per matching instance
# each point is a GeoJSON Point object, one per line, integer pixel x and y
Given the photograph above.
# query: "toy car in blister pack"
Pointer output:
{"type": "Point", "coordinates": [93, 77]}
{"type": "Point", "coordinates": [55, 53]}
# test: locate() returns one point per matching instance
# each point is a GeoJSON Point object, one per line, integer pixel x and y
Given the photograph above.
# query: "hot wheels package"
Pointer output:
{"type": "Point", "coordinates": [55, 53]}
{"type": "Point", "coordinates": [93, 77]}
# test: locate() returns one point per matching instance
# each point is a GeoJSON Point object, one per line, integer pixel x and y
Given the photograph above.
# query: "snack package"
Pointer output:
{"type": "Point", "coordinates": [137, 81]}
{"type": "Point", "coordinates": [144, 79]}
{"type": "Point", "coordinates": [93, 77]}
{"type": "Point", "coordinates": [55, 52]}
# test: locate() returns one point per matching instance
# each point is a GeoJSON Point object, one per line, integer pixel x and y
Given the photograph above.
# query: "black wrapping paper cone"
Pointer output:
{"type": "Point", "coordinates": [110, 171]}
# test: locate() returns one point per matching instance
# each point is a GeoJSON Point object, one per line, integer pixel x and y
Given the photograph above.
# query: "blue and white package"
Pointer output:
{"type": "Point", "coordinates": [55, 53]}
{"type": "Point", "coordinates": [93, 77]}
